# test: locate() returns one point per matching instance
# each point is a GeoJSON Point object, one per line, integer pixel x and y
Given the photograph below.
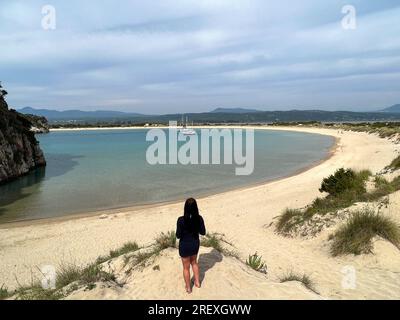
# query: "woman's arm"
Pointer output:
{"type": "Point", "coordinates": [178, 229]}
{"type": "Point", "coordinates": [202, 230]}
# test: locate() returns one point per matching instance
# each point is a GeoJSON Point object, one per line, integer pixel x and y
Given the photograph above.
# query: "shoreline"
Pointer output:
{"type": "Point", "coordinates": [133, 208]}
{"type": "Point", "coordinates": [252, 210]}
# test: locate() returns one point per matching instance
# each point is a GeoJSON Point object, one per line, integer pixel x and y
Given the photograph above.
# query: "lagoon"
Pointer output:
{"type": "Point", "coordinates": [92, 170]}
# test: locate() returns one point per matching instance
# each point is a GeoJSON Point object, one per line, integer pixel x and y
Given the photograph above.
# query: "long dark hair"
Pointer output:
{"type": "Point", "coordinates": [191, 215]}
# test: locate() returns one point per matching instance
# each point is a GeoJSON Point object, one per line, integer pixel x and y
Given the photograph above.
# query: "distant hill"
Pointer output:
{"type": "Point", "coordinates": [234, 110]}
{"type": "Point", "coordinates": [392, 109]}
{"type": "Point", "coordinates": [79, 117]}
{"type": "Point", "coordinates": [52, 115]}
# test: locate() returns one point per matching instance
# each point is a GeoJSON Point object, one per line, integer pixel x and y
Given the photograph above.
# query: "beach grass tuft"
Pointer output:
{"type": "Point", "coordinates": [215, 240]}
{"type": "Point", "coordinates": [35, 291]}
{"type": "Point", "coordinates": [162, 241]}
{"type": "Point", "coordinates": [303, 278]}
{"type": "Point", "coordinates": [395, 164]}
{"type": "Point", "coordinates": [94, 273]}
{"type": "Point", "coordinates": [288, 219]}
{"type": "Point", "coordinates": [67, 274]}
{"type": "Point", "coordinates": [4, 294]}
{"type": "Point", "coordinates": [126, 248]}
{"type": "Point", "coordinates": [355, 236]}
{"type": "Point", "coordinates": [212, 240]}
{"type": "Point", "coordinates": [166, 240]}
{"type": "Point", "coordinates": [142, 257]}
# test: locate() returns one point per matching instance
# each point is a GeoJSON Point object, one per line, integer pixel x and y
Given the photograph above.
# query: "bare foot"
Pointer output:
{"type": "Point", "coordinates": [197, 284]}
{"type": "Point", "coordinates": [189, 290]}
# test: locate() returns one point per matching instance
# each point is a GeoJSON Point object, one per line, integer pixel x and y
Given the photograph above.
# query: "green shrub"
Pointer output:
{"type": "Point", "coordinates": [344, 180]}
{"type": "Point", "coordinates": [255, 262]}
{"type": "Point", "coordinates": [344, 188]}
{"type": "Point", "coordinates": [355, 236]}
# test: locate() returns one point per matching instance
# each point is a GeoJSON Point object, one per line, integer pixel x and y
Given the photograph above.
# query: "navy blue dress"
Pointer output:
{"type": "Point", "coordinates": [189, 242]}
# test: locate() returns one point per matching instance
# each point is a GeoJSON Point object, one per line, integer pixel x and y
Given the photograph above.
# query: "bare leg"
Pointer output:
{"type": "Point", "coordinates": [196, 272]}
{"type": "Point", "coordinates": [186, 274]}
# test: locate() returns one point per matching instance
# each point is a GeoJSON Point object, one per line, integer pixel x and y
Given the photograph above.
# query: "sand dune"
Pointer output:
{"type": "Point", "coordinates": [222, 277]}
{"type": "Point", "coordinates": [244, 217]}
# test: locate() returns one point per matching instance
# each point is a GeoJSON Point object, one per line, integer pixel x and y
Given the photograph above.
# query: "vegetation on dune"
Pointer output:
{"type": "Point", "coordinates": [166, 240]}
{"type": "Point", "coordinates": [343, 181]}
{"type": "Point", "coordinates": [344, 188]}
{"type": "Point", "coordinates": [212, 241]}
{"type": "Point", "coordinates": [395, 164]}
{"type": "Point", "coordinates": [382, 129]}
{"type": "Point", "coordinates": [355, 236]}
{"type": "Point", "coordinates": [389, 130]}
{"type": "Point", "coordinates": [72, 277]}
{"type": "Point", "coordinates": [256, 263]}
{"type": "Point", "coordinates": [35, 291]}
{"type": "Point", "coordinates": [215, 240]}
{"type": "Point", "coordinates": [288, 219]}
{"type": "Point", "coordinates": [4, 294]}
{"type": "Point", "coordinates": [161, 242]}
{"type": "Point", "coordinates": [383, 188]}
{"type": "Point", "coordinates": [66, 275]}
{"type": "Point", "coordinates": [304, 279]}
{"type": "Point", "coordinates": [126, 248]}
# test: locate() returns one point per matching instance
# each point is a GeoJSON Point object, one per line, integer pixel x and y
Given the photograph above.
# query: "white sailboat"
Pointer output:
{"type": "Point", "coordinates": [186, 131]}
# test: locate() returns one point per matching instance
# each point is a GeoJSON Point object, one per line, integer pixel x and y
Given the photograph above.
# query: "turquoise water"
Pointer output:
{"type": "Point", "coordinates": [93, 170]}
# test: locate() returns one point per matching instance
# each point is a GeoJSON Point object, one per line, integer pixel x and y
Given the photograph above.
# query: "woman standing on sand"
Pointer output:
{"type": "Point", "coordinates": [187, 231]}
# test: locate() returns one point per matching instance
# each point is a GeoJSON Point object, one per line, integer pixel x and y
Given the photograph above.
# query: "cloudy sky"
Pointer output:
{"type": "Point", "coordinates": [194, 55]}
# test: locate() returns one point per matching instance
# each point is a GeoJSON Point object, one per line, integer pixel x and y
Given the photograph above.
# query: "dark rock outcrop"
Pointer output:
{"type": "Point", "coordinates": [38, 124]}
{"type": "Point", "coordinates": [19, 149]}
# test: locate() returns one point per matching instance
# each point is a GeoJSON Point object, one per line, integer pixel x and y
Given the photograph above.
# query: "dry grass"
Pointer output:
{"type": "Point", "coordinates": [304, 279]}
{"type": "Point", "coordinates": [126, 248]}
{"type": "Point", "coordinates": [166, 240]}
{"type": "Point", "coordinates": [395, 165]}
{"type": "Point", "coordinates": [355, 236]}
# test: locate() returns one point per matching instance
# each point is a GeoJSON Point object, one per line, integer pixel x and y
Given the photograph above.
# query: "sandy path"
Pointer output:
{"type": "Point", "coordinates": [242, 215]}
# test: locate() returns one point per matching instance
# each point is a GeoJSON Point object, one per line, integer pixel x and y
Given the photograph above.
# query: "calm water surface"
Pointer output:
{"type": "Point", "coordinates": [93, 170]}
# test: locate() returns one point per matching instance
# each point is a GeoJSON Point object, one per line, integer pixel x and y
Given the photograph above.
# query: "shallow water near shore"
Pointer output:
{"type": "Point", "coordinates": [95, 170]}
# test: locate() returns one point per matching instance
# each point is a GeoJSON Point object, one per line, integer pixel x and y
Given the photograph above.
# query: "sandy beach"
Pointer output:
{"type": "Point", "coordinates": [244, 217]}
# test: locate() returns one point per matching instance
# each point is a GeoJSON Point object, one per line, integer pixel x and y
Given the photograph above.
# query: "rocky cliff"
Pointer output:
{"type": "Point", "coordinates": [19, 149]}
{"type": "Point", "coordinates": [38, 124]}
